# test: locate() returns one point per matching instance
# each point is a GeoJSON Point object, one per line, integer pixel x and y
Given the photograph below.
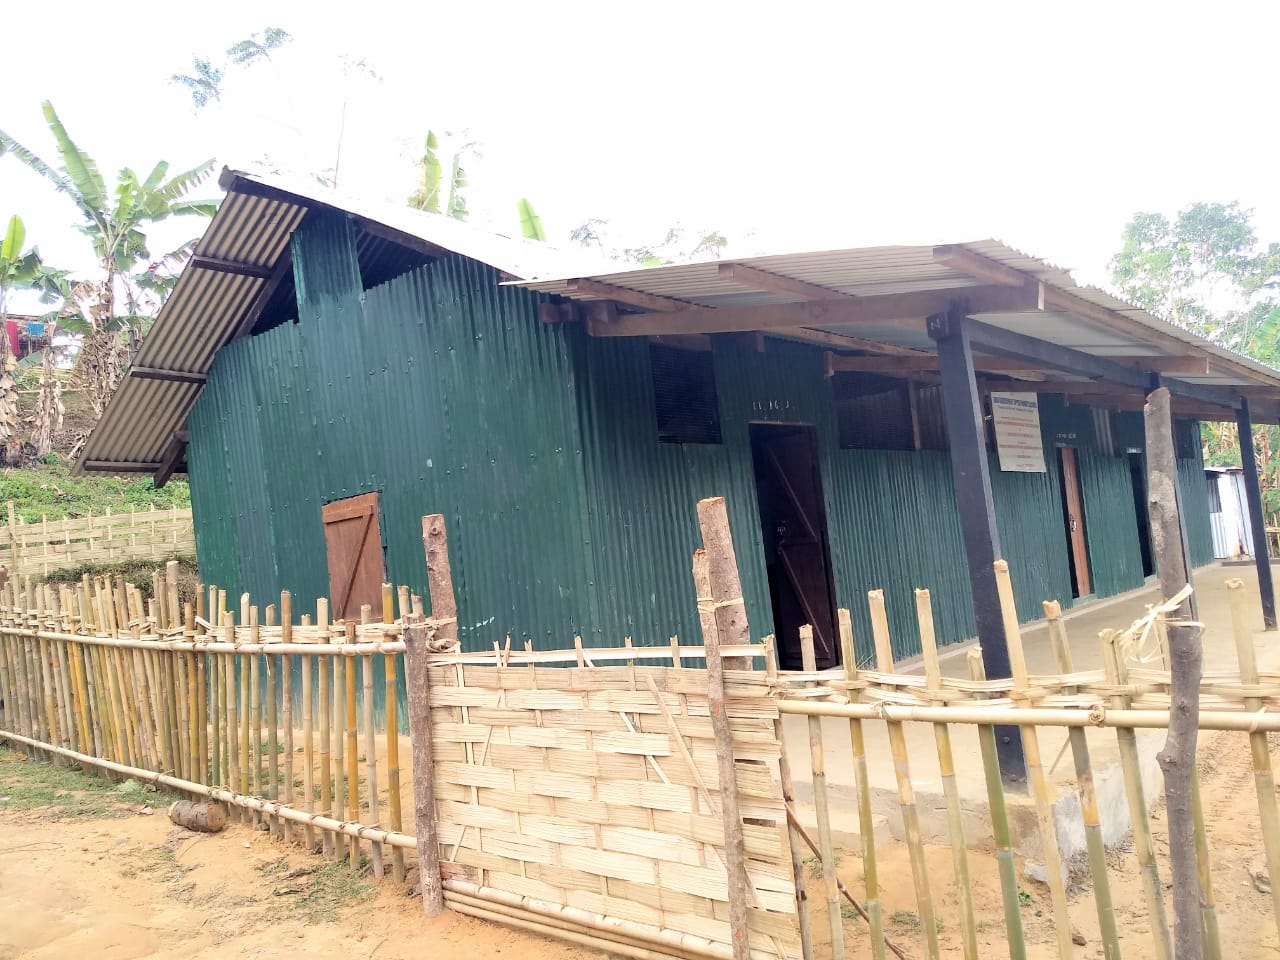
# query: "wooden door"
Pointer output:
{"type": "Point", "coordinates": [353, 540]}
{"type": "Point", "coordinates": [1073, 504]}
{"type": "Point", "coordinates": [794, 528]}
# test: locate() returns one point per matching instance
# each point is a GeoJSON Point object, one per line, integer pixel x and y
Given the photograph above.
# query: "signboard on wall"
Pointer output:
{"type": "Point", "coordinates": [1016, 417]}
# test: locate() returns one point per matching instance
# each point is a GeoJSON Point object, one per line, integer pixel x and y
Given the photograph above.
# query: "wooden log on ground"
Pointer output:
{"type": "Point", "coordinates": [203, 816]}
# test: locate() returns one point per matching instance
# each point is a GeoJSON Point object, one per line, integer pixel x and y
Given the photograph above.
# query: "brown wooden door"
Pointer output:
{"type": "Point", "coordinates": [794, 529]}
{"type": "Point", "coordinates": [354, 543]}
{"type": "Point", "coordinates": [1073, 505]}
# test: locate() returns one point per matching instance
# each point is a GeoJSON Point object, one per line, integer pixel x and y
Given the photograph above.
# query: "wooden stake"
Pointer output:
{"type": "Point", "coordinates": [821, 806]}
{"type": "Point", "coordinates": [1178, 758]}
{"type": "Point", "coordinates": [444, 604]}
{"type": "Point", "coordinates": [722, 578]}
{"type": "Point", "coordinates": [946, 766]}
{"type": "Point", "coordinates": [906, 792]}
{"type": "Point", "coordinates": [1002, 835]}
{"type": "Point", "coordinates": [734, 845]}
{"type": "Point", "coordinates": [1035, 771]}
{"type": "Point", "coordinates": [418, 695]}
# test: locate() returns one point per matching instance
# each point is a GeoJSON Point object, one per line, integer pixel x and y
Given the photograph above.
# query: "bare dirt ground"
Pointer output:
{"type": "Point", "coordinates": [1245, 915]}
{"type": "Point", "coordinates": [86, 872]}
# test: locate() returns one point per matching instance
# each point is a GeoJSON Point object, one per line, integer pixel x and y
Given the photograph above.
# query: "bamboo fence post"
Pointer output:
{"type": "Point", "coordinates": [1108, 932]}
{"type": "Point", "coordinates": [946, 766]}
{"type": "Point", "coordinates": [1135, 794]}
{"type": "Point", "coordinates": [1001, 833]}
{"type": "Point", "coordinates": [232, 714]}
{"type": "Point", "coordinates": [286, 707]}
{"type": "Point", "coordinates": [1263, 776]}
{"type": "Point", "coordinates": [308, 744]}
{"type": "Point", "coordinates": [353, 751]}
{"type": "Point", "coordinates": [821, 806]}
{"type": "Point", "coordinates": [392, 714]}
{"type": "Point", "coordinates": [327, 840]}
{"type": "Point", "coordinates": [253, 728]}
{"type": "Point", "coordinates": [1209, 936]}
{"type": "Point", "coordinates": [15, 554]}
{"type": "Point", "coordinates": [1178, 758]}
{"type": "Point", "coordinates": [273, 725]}
{"type": "Point", "coordinates": [370, 748]}
{"type": "Point", "coordinates": [418, 695]}
{"type": "Point", "coordinates": [337, 752]}
{"type": "Point", "coordinates": [195, 705]}
{"type": "Point", "coordinates": [902, 771]}
{"type": "Point", "coordinates": [788, 797]}
{"type": "Point", "coordinates": [723, 580]}
{"type": "Point", "coordinates": [1035, 771]}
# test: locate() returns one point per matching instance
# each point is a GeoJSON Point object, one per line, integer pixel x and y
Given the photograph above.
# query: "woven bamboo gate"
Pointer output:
{"type": "Point", "coordinates": [37, 549]}
{"type": "Point", "coordinates": [587, 793]}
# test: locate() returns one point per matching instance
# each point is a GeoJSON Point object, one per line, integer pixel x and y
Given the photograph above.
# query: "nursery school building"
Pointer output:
{"type": "Point", "coordinates": [328, 372]}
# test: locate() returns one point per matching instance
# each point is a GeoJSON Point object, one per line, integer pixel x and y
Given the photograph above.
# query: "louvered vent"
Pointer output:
{"type": "Point", "coordinates": [684, 395]}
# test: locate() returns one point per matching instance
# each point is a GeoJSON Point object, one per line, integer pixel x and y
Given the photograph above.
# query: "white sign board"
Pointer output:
{"type": "Point", "coordinates": [1017, 423]}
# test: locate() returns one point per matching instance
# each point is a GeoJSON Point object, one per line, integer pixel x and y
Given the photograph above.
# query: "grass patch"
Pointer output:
{"type": "Point", "coordinates": [48, 489]}
{"type": "Point", "coordinates": [64, 793]}
{"type": "Point", "coordinates": [909, 921]}
{"type": "Point", "coordinates": [317, 892]}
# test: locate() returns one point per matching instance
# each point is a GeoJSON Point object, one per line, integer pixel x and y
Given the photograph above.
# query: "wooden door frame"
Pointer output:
{"type": "Point", "coordinates": [1078, 540]}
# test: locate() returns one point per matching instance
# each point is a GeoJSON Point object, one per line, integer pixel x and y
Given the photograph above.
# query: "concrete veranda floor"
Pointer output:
{"type": "Point", "coordinates": [1083, 626]}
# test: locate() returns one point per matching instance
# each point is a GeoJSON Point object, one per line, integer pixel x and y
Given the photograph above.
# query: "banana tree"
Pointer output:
{"type": "Point", "coordinates": [115, 221]}
{"type": "Point", "coordinates": [431, 180]}
{"type": "Point", "coordinates": [20, 269]}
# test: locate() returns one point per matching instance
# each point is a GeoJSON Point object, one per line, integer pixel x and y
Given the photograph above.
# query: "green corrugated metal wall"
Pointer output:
{"type": "Point", "coordinates": [443, 392]}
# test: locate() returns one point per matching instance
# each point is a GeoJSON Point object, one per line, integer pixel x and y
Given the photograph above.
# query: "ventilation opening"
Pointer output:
{"type": "Point", "coordinates": [873, 412]}
{"type": "Point", "coordinates": [685, 404]}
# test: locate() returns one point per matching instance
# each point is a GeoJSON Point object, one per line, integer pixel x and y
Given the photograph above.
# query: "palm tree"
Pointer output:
{"type": "Point", "coordinates": [115, 222]}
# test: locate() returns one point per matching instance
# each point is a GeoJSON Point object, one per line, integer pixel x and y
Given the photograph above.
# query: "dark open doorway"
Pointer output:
{"type": "Point", "coordinates": [793, 522]}
{"type": "Point", "coordinates": [1073, 518]}
{"type": "Point", "coordinates": [1138, 475]}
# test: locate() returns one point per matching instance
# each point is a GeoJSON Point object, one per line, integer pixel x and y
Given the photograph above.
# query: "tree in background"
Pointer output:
{"type": "Point", "coordinates": [428, 194]}
{"type": "Point", "coordinates": [23, 269]}
{"type": "Point", "coordinates": [115, 222]}
{"type": "Point", "coordinates": [204, 83]}
{"type": "Point", "coordinates": [675, 247]}
{"type": "Point", "coordinates": [1206, 270]}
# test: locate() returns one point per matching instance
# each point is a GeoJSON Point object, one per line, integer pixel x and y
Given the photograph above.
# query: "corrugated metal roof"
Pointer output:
{"type": "Point", "coordinates": [209, 305]}
{"type": "Point", "coordinates": [875, 271]}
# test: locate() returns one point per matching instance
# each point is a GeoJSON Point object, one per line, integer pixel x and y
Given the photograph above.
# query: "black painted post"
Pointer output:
{"type": "Point", "coordinates": [971, 476]}
{"type": "Point", "coordinates": [1257, 521]}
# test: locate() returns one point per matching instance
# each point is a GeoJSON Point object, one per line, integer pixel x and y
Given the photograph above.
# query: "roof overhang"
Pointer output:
{"type": "Point", "coordinates": [1036, 330]}
{"type": "Point", "coordinates": [242, 270]}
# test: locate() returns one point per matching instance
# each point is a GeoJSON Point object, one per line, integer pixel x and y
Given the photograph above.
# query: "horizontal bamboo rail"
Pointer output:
{"type": "Point", "coordinates": [38, 549]}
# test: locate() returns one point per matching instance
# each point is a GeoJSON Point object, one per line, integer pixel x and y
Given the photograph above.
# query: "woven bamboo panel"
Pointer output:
{"type": "Point", "coordinates": [569, 786]}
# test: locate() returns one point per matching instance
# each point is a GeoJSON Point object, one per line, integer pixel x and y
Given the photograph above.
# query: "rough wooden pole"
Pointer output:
{"type": "Point", "coordinates": [1178, 758]}
{"type": "Point", "coordinates": [734, 844]}
{"type": "Point", "coordinates": [1257, 518]}
{"type": "Point", "coordinates": [722, 577]}
{"type": "Point", "coordinates": [418, 695]}
{"type": "Point", "coordinates": [444, 604]}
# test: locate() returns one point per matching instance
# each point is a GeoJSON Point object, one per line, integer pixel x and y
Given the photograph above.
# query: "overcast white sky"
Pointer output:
{"type": "Point", "coordinates": [785, 125]}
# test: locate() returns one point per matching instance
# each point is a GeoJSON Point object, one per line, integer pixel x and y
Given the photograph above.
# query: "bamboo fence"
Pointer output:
{"type": "Point", "coordinates": [616, 798]}
{"type": "Point", "coordinates": [37, 549]}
